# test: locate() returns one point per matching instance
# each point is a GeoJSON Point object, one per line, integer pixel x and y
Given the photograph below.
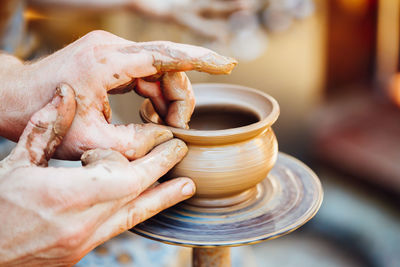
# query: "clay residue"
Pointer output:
{"type": "Point", "coordinates": [124, 88]}
{"type": "Point", "coordinates": [103, 60]}
{"type": "Point", "coordinates": [107, 110]}
{"type": "Point", "coordinates": [36, 132]}
{"type": "Point", "coordinates": [174, 59]}
{"type": "Point", "coordinates": [84, 109]}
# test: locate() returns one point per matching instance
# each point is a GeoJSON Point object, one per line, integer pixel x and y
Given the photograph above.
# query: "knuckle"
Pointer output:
{"type": "Point", "coordinates": [96, 35]}
{"type": "Point", "coordinates": [135, 152]}
{"type": "Point", "coordinates": [132, 218]}
{"type": "Point", "coordinates": [71, 237]}
{"type": "Point", "coordinates": [89, 49]}
{"type": "Point", "coordinates": [168, 43]}
{"type": "Point", "coordinates": [85, 55]}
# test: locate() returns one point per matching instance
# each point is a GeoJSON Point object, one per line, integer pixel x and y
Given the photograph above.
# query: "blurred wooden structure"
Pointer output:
{"type": "Point", "coordinates": [351, 42]}
{"type": "Point", "coordinates": [360, 132]}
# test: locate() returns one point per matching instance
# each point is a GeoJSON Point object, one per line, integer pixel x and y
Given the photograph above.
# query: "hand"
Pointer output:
{"type": "Point", "coordinates": [54, 216]}
{"type": "Point", "coordinates": [101, 62]}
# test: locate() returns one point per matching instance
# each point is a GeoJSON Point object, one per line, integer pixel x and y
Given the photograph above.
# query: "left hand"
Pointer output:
{"type": "Point", "coordinates": [101, 62]}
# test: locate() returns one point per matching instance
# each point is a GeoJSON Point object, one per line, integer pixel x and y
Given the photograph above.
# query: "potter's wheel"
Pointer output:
{"type": "Point", "coordinates": [289, 197]}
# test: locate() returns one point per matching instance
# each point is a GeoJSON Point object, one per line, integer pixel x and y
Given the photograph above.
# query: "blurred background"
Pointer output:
{"type": "Point", "coordinates": [332, 66]}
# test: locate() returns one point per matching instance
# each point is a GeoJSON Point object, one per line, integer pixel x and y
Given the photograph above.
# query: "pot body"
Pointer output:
{"type": "Point", "coordinates": [226, 170]}
{"type": "Point", "coordinates": [226, 164]}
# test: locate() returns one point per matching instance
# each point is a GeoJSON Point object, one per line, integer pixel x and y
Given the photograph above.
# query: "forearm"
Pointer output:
{"type": "Point", "coordinates": [18, 96]}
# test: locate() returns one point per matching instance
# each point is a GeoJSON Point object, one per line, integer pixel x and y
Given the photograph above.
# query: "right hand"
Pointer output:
{"type": "Point", "coordinates": [54, 216]}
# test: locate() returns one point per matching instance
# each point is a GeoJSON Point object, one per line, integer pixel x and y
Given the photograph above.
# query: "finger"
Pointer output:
{"type": "Point", "coordinates": [102, 156]}
{"type": "Point", "coordinates": [132, 140]}
{"type": "Point", "coordinates": [45, 129]}
{"type": "Point", "coordinates": [148, 204]}
{"type": "Point", "coordinates": [113, 179]}
{"type": "Point", "coordinates": [169, 56]}
{"type": "Point", "coordinates": [122, 63]}
{"type": "Point", "coordinates": [136, 143]}
{"type": "Point", "coordinates": [172, 98]}
{"type": "Point", "coordinates": [178, 91]}
{"type": "Point", "coordinates": [158, 162]}
{"type": "Point", "coordinates": [119, 70]}
{"type": "Point", "coordinates": [153, 91]}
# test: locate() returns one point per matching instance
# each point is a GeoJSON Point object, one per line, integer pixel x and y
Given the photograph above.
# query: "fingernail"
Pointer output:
{"type": "Point", "coordinates": [130, 153]}
{"type": "Point", "coordinates": [57, 98]}
{"type": "Point", "coordinates": [62, 90]}
{"type": "Point", "coordinates": [181, 124]}
{"type": "Point", "coordinates": [180, 147]}
{"type": "Point", "coordinates": [163, 136]}
{"type": "Point", "coordinates": [188, 189]}
{"type": "Point", "coordinates": [64, 102]}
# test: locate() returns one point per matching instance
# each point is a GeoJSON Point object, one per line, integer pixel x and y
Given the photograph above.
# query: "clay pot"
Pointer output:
{"type": "Point", "coordinates": [231, 144]}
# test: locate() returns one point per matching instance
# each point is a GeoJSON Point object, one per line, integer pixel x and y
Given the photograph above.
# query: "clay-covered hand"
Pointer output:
{"type": "Point", "coordinates": [54, 216]}
{"type": "Point", "coordinates": [101, 62]}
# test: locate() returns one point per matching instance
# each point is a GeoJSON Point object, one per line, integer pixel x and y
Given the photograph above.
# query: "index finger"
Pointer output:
{"type": "Point", "coordinates": [107, 176]}
{"type": "Point", "coordinates": [169, 56]}
{"type": "Point", "coordinates": [172, 97]}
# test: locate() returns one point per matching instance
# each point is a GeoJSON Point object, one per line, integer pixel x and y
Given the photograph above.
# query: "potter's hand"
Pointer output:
{"type": "Point", "coordinates": [54, 216]}
{"type": "Point", "coordinates": [96, 64]}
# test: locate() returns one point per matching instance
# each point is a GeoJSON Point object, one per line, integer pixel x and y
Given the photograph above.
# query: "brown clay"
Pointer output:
{"type": "Point", "coordinates": [225, 164]}
{"type": "Point", "coordinates": [167, 58]}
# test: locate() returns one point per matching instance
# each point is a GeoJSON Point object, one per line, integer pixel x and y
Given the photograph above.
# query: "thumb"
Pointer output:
{"type": "Point", "coordinates": [131, 140]}
{"type": "Point", "coordinates": [45, 130]}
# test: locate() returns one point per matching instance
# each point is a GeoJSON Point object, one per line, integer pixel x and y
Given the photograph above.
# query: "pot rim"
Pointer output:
{"type": "Point", "coordinates": [225, 135]}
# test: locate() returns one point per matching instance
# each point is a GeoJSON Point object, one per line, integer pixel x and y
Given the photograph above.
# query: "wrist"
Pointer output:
{"type": "Point", "coordinates": [19, 96]}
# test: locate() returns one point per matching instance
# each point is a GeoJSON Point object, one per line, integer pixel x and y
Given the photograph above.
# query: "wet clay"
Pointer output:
{"type": "Point", "coordinates": [225, 160]}
{"type": "Point", "coordinates": [220, 117]}
{"type": "Point", "coordinates": [167, 57]}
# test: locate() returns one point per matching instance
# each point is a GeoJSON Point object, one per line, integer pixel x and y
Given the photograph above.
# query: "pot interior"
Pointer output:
{"type": "Point", "coordinates": [224, 113]}
{"type": "Point", "coordinates": [220, 117]}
